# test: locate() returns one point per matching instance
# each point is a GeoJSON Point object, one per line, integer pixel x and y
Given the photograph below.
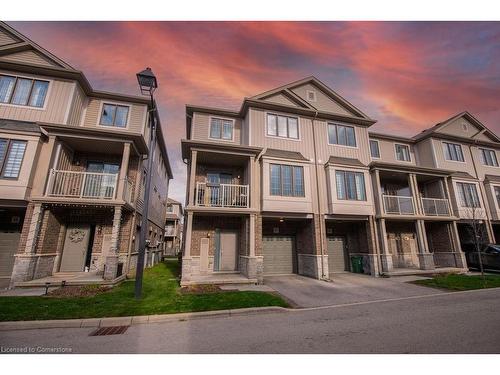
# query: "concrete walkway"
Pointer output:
{"type": "Point", "coordinates": [344, 288]}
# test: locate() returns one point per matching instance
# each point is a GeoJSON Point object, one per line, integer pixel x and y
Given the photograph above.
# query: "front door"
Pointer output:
{"type": "Point", "coordinates": [228, 251]}
{"type": "Point", "coordinates": [75, 248]}
{"type": "Point", "coordinates": [337, 259]}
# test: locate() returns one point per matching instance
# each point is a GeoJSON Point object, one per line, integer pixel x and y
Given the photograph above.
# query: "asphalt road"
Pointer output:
{"type": "Point", "coordinates": [460, 322]}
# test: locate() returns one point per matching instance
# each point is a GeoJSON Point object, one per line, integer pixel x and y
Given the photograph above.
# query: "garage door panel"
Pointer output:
{"type": "Point", "coordinates": [279, 255]}
{"type": "Point", "coordinates": [8, 247]}
{"type": "Point", "coordinates": [336, 255]}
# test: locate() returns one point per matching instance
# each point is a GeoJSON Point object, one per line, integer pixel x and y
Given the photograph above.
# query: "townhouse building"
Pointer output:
{"type": "Point", "coordinates": [173, 227]}
{"type": "Point", "coordinates": [72, 171]}
{"type": "Point", "coordinates": [294, 182]}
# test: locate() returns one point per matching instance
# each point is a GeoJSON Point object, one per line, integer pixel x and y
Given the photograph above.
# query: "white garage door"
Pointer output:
{"type": "Point", "coordinates": [336, 255]}
{"type": "Point", "coordinates": [8, 247]}
{"type": "Point", "coordinates": [279, 255]}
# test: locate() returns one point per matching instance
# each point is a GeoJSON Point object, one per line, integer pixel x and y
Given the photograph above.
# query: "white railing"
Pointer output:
{"type": "Point", "coordinates": [169, 231]}
{"type": "Point", "coordinates": [221, 195]}
{"type": "Point", "coordinates": [82, 184]}
{"type": "Point", "coordinates": [399, 205]}
{"type": "Point", "coordinates": [128, 190]}
{"type": "Point", "coordinates": [436, 206]}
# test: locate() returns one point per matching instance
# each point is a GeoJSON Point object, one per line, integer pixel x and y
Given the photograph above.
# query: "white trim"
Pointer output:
{"type": "Point", "coordinates": [378, 146]}
{"type": "Point", "coordinates": [396, 153]}
{"type": "Point", "coordinates": [83, 116]}
{"type": "Point", "coordinates": [70, 104]}
{"type": "Point", "coordinates": [328, 123]}
{"type": "Point", "coordinates": [113, 102]}
{"type": "Point", "coordinates": [282, 114]}
{"type": "Point", "coordinates": [443, 144]}
{"type": "Point", "coordinates": [34, 78]}
{"type": "Point", "coordinates": [210, 117]}
{"type": "Point", "coordinates": [497, 203]}
{"type": "Point", "coordinates": [482, 157]}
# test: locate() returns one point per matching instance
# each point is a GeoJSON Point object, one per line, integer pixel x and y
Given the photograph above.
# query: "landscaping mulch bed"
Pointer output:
{"type": "Point", "coordinates": [78, 291]}
{"type": "Point", "coordinates": [201, 289]}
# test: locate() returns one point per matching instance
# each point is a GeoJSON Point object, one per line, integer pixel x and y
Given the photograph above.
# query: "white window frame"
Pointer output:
{"type": "Point", "coordinates": [497, 203]}
{"type": "Point", "coordinates": [292, 166]}
{"type": "Point", "coordinates": [299, 133]}
{"type": "Point", "coordinates": [233, 121]}
{"type": "Point", "coordinates": [378, 147]}
{"type": "Point", "coordinates": [483, 160]}
{"type": "Point", "coordinates": [111, 102]}
{"type": "Point", "coordinates": [396, 152]}
{"type": "Point", "coordinates": [2, 166]}
{"type": "Point", "coordinates": [337, 144]}
{"type": "Point", "coordinates": [34, 78]}
{"type": "Point", "coordinates": [445, 145]}
{"type": "Point", "coordinates": [478, 194]}
{"type": "Point", "coordinates": [346, 199]}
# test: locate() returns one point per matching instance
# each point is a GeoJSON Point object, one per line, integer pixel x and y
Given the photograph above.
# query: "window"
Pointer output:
{"type": "Point", "coordinates": [282, 126]}
{"type": "Point", "coordinates": [114, 115]}
{"type": "Point", "coordinates": [497, 195]}
{"type": "Point", "coordinates": [488, 157]}
{"type": "Point", "coordinates": [287, 180]}
{"type": "Point", "coordinates": [170, 208]}
{"type": "Point", "coordinates": [23, 91]}
{"type": "Point", "coordinates": [467, 194]}
{"type": "Point", "coordinates": [453, 151]}
{"type": "Point", "coordinates": [350, 185]}
{"type": "Point", "coordinates": [11, 157]}
{"type": "Point", "coordinates": [341, 135]}
{"type": "Point", "coordinates": [374, 149]}
{"type": "Point", "coordinates": [221, 129]}
{"type": "Point", "coordinates": [402, 152]}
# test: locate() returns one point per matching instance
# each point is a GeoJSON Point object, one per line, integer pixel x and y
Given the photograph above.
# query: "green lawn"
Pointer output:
{"type": "Point", "coordinates": [161, 295]}
{"type": "Point", "coordinates": [462, 282]}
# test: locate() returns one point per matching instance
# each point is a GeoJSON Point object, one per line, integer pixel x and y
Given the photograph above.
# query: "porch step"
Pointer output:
{"type": "Point", "coordinates": [218, 281]}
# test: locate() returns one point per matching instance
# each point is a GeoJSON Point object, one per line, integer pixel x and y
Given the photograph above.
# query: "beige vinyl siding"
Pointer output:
{"type": "Point", "coordinates": [65, 158]}
{"type": "Point", "coordinates": [29, 57]}
{"type": "Point", "coordinates": [136, 118]}
{"type": "Point", "coordinates": [200, 130]}
{"type": "Point", "coordinates": [77, 107]}
{"type": "Point", "coordinates": [388, 151]}
{"type": "Point", "coordinates": [323, 102]}
{"type": "Point", "coordinates": [280, 99]}
{"type": "Point", "coordinates": [442, 163]}
{"type": "Point", "coordinates": [425, 154]}
{"type": "Point", "coordinates": [456, 128]}
{"type": "Point", "coordinates": [482, 169]}
{"type": "Point", "coordinates": [55, 110]}
{"type": "Point", "coordinates": [6, 39]}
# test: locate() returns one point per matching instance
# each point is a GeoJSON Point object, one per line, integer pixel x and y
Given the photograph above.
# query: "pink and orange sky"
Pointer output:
{"type": "Point", "coordinates": [406, 75]}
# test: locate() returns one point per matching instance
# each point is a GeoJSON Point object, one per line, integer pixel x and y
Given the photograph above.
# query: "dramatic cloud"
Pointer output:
{"type": "Point", "coordinates": [406, 75]}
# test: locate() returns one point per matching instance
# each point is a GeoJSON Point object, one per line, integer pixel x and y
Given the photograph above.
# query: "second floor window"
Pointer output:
{"type": "Point", "coordinates": [11, 157]}
{"type": "Point", "coordinates": [221, 129]}
{"type": "Point", "coordinates": [341, 135]}
{"type": "Point", "coordinates": [402, 152]}
{"type": "Point", "coordinates": [287, 180]}
{"type": "Point", "coordinates": [114, 115]}
{"type": "Point", "coordinates": [467, 195]}
{"type": "Point", "coordinates": [374, 149]}
{"type": "Point", "coordinates": [23, 91]}
{"type": "Point", "coordinates": [497, 195]}
{"type": "Point", "coordinates": [453, 152]}
{"type": "Point", "coordinates": [282, 126]}
{"type": "Point", "coordinates": [350, 185]}
{"type": "Point", "coordinates": [488, 157]}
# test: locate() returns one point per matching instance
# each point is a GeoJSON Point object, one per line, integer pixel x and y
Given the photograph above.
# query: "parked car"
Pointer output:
{"type": "Point", "coordinates": [490, 255]}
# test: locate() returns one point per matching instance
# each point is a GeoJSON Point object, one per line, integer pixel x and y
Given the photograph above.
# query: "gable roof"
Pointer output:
{"type": "Point", "coordinates": [467, 116]}
{"type": "Point", "coordinates": [287, 90]}
{"type": "Point", "coordinates": [173, 201]}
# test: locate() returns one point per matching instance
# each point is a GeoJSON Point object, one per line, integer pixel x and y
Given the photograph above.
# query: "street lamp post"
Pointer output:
{"type": "Point", "coordinates": [148, 84]}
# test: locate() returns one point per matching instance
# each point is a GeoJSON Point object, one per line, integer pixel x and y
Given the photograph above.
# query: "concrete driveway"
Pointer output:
{"type": "Point", "coordinates": [344, 288]}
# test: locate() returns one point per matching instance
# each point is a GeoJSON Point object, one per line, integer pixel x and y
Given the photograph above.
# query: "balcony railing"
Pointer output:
{"type": "Point", "coordinates": [221, 195]}
{"type": "Point", "coordinates": [436, 206]}
{"type": "Point", "coordinates": [128, 190]}
{"type": "Point", "coordinates": [169, 231]}
{"type": "Point", "coordinates": [82, 184]}
{"type": "Point", "coordinates": [398, 205]}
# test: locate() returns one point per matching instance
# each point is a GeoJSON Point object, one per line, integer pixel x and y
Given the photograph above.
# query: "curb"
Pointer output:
{"type": "Point", "coordinates": [133, 320]}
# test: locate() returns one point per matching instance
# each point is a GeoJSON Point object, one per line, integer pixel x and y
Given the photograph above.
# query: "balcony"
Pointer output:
{"type": "Point", "coordinates": [87, 185]}
{"type": "Point", "coordinates": [221, 195]}
{"type": "Point", "coordinates": [398, 205]}
{"type": "Point", "coordinates": [436, 206]}
{"type": "Point", "coordinates": [169, 231]}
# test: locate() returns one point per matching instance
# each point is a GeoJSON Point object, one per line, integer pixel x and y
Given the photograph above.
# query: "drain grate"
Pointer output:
{"type": "Point", "coordinates": [107, 331]}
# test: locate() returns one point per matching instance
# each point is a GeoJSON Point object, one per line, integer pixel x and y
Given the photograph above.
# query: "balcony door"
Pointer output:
{"type": "Point", "coordinates": [214, 181]}
{"type": "Point", "coordinates": [101, 180]}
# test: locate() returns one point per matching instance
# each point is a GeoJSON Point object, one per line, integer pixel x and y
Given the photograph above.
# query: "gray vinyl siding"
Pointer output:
{"type": "Point", "coordinates": [29, 57]}
{"type": "Point", "coordinates": [323, 102]}
{"type": "Point", "coordinates": [77, 107]}
{"type": "Point", "coordinates": [6, 39]}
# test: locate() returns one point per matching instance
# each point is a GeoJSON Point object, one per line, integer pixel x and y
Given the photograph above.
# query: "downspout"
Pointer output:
{"type": "Point", "coordinates": [318, 197]}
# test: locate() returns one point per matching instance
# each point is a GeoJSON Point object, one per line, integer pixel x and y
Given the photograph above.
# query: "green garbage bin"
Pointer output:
{"type": "Point", "coordinates": [357, 264]}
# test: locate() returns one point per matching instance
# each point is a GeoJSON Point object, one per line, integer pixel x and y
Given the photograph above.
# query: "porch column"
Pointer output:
{"type": "Point", "coordinates": [186, 257]}
{"type": "Point", "coordinates": [251, 183]}
{"type": "Point", "coordinates": [426, 259]}
{"type": "Point", "coordinates": [192, 177]}
{"type": "Point", "coordinates": [385, 256]}
{"type": "Point", "coordinates": [111, 265]}
{"type": "Point", "coordinates": [460, 260]}
{"type": "Point", "coordinates": [415, 194]}
{"type": "Point", "coordinates": [373, 249]}
{"type": "Point", "coordinates": [122, 179]}
{"type": "Point", "coordinates": [379, 204]}
{"type": "Point", "coordinates": [444, 182]}
{"type": "Point", "coordinates": [251, 252]}
{"type": "Point", "coordinates": [25, 261]}
{"type": "Point", "coordinates": [45, 162]}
